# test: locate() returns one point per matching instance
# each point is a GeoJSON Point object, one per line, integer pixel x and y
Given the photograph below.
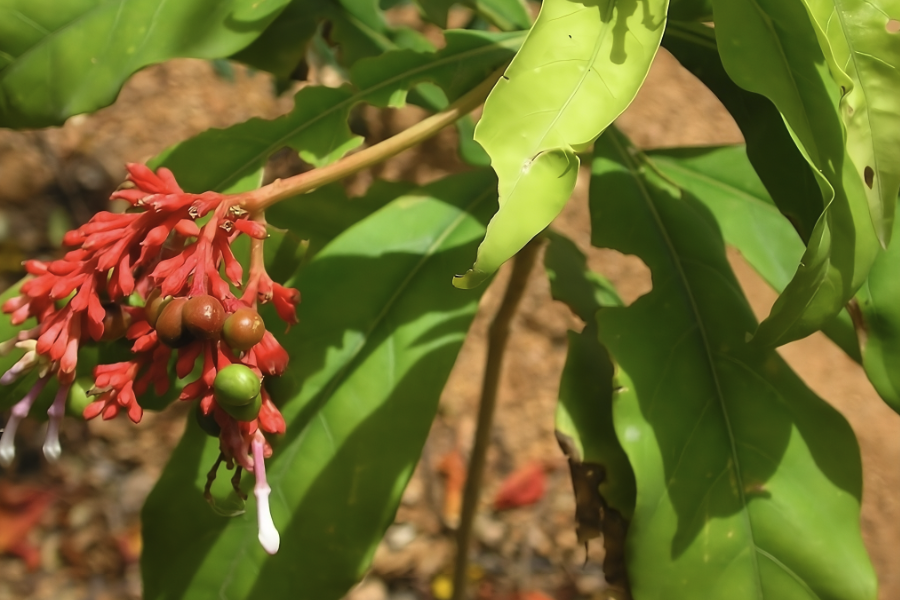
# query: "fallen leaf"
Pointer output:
{"type": "Point", "coordinates": [453, 468]}
{"type": "Point", "coordinates": [21, 508]}
{"type": "Point", "coordinates": [526, 485]}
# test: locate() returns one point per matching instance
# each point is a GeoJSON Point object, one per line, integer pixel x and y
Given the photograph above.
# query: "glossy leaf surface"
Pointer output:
{"type": "Point", "coordinates": [772, 152]}
{"type": "Point", "coordinates": [379, 331]}
{"type": "Point", "coordinates": [727, 444]}
{"type": "Point", "coordinates": [59, 59]}
{"type": "Point", "coordinates": [880, 310]}
{"type": "Point", "coordinates": [579, 68]}
{"type": "Point", "coordinates": [584, 412]}
{"type": "Point", "coordinates": [864, 57]}
{"type": "Point", "coordinates": [723, 179]}
{"type": "Point", "coordinates": [317, 127]}
{"type": "Point", "coordinates": [769, 47]}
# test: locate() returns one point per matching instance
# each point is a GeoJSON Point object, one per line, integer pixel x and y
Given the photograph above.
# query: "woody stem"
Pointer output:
{"type": "Point", "coordinates": [281, 189]}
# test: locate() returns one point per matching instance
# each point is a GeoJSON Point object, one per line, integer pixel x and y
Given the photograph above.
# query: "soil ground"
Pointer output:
{"type": "Point", "coordinates": [87, 541]}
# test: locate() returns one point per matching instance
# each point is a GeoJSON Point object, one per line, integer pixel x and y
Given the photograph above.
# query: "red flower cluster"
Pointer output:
{"type": "Point", "coordinates": [90, 294]}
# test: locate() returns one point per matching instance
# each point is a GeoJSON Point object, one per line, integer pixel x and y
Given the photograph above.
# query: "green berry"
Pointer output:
{"type": "Point", "coordinates": [235, 385]}
{"type": "Point", "coordinates": [207, 422]}
{"type": "Point", "coordinates": [247, 412]}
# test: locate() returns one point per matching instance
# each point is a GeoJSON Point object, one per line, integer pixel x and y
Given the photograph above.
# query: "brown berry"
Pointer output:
{"type": "Point", "coordinates": [115, 323]}
{"type": "Point", "coordinates": [243, 329]}
{"type": "Point", "coordinates": [154, 305]}
{"type": "Point", "coordinates": [203, 316]}
{"type": "Point", "coordinates": [169, 325]}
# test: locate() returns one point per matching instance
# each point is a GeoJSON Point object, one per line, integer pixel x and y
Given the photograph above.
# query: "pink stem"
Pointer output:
{"type": "Point", "coordinates": [268, 535]}
{"type": "Point", "coordinates": [19, 412]}
{"type": "Point", "coordinates": [57, 410]}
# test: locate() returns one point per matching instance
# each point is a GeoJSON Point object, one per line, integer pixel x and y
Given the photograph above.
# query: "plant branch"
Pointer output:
{"type": "Point", "coordinates": [281, 189]}
{"type": "Point", "coordinates": [498, 333]}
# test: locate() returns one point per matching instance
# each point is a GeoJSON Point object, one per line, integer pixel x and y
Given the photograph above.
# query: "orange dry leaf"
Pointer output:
{"type": "Point", "coordinates": [453, 468]}
{"type": "Point", "coordinates": [526, 485]}
{"type": "Point", "coordinates": [21, 508]}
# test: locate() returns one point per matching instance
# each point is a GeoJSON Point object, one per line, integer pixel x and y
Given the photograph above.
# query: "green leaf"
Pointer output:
{"type": "Point", "coordinates": [727, 444]}
{"type": "Point", "coordinates": [584, 412]}
{"type": "Point", "coordinates": [690, 10]}
{"type": "Point", "coordinates": [507, 15]}
{"type": "Point", "coordinates": [723, 179]}
{"type": "Point", "coordinates": [59, 59]}
{"type": "Point", "coordinates": [379, 332]}
{"type": "Point", "coordinates": [864, 58]}
{"type": "Point", "coordinates": [282, 46]}
{"type": "Point", "coordinates": [777, 160]}
{"type": "Point", "coordinates": [769, 47]}
{"type": "Point", "coordinates": [317, 127]}
{"type": "Point", "coordinates": [880, 311]}
{"type": "Point", "coordinates": [579, 68]}
{"type": "Point", "coordinates": [323, 214]}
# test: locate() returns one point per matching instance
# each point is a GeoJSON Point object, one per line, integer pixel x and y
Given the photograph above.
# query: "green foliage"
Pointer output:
{"type": "Point", "coordinates": [584, 413]}
{"type": "Point", "coordinates": [724, 180]}
{"type": "Point", "coordinates": [880, 316]}
{"type": "Point", "coordinates": [91, 47]}
{"type": "Point", "coordinates": [769, 47]}
{"type": "Point", "coordinates": [864, 57]}
{"type": "Point", "coordinates": [317, 127]}
{"type": "Point", "coordinates": [580, 67]}
{"type": "Point", "coordinates": [377, 337]}
{"type": "Point", "coordinates": [737, 481]}
{"type": "Point", "coordinates": [725, 441]}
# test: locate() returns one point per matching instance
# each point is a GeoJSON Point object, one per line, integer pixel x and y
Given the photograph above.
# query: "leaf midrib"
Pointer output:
{"type": "Point", "coordinates": [701, 328]}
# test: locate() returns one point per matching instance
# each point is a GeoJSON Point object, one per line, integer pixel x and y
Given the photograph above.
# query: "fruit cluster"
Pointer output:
{"type": "Point", "coordinates": [153, 275]}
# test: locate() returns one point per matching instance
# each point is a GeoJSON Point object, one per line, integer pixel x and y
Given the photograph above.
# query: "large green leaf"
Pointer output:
{"type": "Point", "coordinates": [723, 179]}
{"type": "Point", "coordinates": [584, 412]}
{"type": "Point", "coordinates": [748, 484]}
{"type": "Point", "coordinates": [769, 47]}
{"type": "Point", "coordinates": [379, 331]}
{"type": "Point", "coordinates": [779, 164]}
{"type": "Point", "coordinates": [317, 127]}
{"type": "Point", "coordinates": [579, 68]}
{"type": "Point", "coordinates": [879, 305]}
{"type": "Point", "coordinates": [59, 59]}
{"type": "Point", "coordinates": [864, 57]}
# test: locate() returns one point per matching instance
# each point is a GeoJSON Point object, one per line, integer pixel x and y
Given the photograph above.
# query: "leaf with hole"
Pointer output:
{"type": "Point", "coordinates": [735, 459]}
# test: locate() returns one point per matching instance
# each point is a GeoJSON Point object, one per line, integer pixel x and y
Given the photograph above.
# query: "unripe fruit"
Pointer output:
{"type": "Point", "coordinates": [115, 323]}
{"type": "Point", "coordinates": [169, 325]}
{"type": "Point", "coordinates": [235, 385]}
{"type": "Point", "coordinates": [243, 329]}
{"type": "Point", "coordinates": [207, 422]}
{"type": "Point", "coordinates": [154, 305]}
{"type": "Point", "coordinates": [203, 316]}
{"type": "Point", "coordinates": [247, 412]}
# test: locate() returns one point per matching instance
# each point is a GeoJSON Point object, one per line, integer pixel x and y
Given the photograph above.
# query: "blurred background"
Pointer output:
{"type": "Point", "coordinates": [71, 531]}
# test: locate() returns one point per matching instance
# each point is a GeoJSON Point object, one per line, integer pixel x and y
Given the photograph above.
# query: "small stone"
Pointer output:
{"type": "Point", "coordinates": [590, 583]}
{"type": "Point", "coordinates": [399, 536]}
{"type": "Point", "coordinates": [370, 588]}
{"type": "Point", "coordinates": [489, 532]}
